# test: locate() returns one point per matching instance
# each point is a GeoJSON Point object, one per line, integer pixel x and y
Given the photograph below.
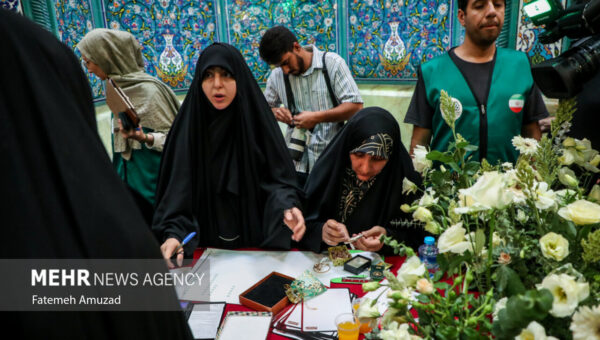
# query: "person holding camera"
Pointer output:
{"type": "Point", "coordinates": [495, 88]}
{"type": "Point", "coordinates": [137, 150]}
{"type": "Point", "coordinates": [310, 90]}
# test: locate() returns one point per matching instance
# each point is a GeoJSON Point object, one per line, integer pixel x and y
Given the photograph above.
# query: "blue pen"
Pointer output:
{"type": "Point", "coordinates": [185, 240]}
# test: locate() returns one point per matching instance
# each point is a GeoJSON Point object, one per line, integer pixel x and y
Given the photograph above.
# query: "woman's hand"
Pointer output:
{"type": "Point", "coordinates": [167, 250]}
{"type": "Point", "coordinates": [370, 240]}
{"type": "Point", "coordinates": [294, 220]}
{"type": "Point", "coordinates": [334, 233]}
{"type": "Point", "coordinates": [136, 134]}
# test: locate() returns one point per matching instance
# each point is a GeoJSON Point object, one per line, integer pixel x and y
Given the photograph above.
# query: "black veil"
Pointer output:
{"type": "Point", "coordinates": [61, 197]}
{"type": "Point", "coordinates": [382, 202]}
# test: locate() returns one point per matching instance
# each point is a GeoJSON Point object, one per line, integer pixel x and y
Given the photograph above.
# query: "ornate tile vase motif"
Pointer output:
{"type": "Point", "coordinates": [74, 19]}
{"type": "Point", "coordinates": [172, 33]}
{"type": "Point", "coordinates": [388, 40]}
{"type": "Point", "coordinates": [11, 5]}
{"type": "Point", "coordinates": [527, 38]}
{"type": "Point", "coordinates": [313, 22]}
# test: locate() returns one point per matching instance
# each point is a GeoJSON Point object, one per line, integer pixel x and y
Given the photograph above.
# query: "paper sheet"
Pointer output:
{"type": "Point", "coordinates": [319, 313]}
{"type": "Point", "coordinates": [205, 323]}
{"type": "Point", "coordinates": [232, 272]}
{"type": "Point", "coordinates": [247, 327]}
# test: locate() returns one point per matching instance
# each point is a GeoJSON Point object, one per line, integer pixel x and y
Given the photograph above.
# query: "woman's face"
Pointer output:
{"type": "Point", "coordinates": [93, 68]}
{"type": "Point", "coordinates": [219, 87]}
{"type": "Point", "coordinates": [366, 166]}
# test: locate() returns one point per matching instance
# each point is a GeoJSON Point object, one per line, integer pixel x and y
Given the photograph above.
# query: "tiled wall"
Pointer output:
{"type": "Point", "coordinates": [381, 40]}
{"type": "Point", "coordinates": [11, 5]}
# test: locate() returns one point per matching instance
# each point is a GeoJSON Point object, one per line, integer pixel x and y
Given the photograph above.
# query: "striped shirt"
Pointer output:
{"type": "Point", "coordinates": [310, 94]}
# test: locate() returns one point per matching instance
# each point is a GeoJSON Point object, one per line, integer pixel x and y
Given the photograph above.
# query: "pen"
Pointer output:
{"type": "Point", "coordinates": [353, 239]}
{"type": "Point", "coordinates": [185, 240]}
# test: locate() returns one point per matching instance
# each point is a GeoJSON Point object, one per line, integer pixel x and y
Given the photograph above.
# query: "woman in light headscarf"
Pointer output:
{"type": "Point", "coordinates": [118, 55]}
{"type": "Point", "coordinates": [226, 173]}
{"type": "Point", "coordinates": [356, 185]}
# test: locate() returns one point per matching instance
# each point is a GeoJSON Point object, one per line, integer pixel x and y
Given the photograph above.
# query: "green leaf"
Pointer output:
{"type": "Point", "coordinates": [520, 311]}
{"type": "Point", "coordinates": [471, 147]}
{"type": "Point", "coordinates": [509, 282]}
{"type": "Point", "coordinates": [479, 241]}
{"type": "Point", "coordinates": [441, 285]}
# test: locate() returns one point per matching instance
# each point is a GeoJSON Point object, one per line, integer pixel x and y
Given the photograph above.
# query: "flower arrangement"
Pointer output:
{"type": "Point", "coordinates": [519, 245]}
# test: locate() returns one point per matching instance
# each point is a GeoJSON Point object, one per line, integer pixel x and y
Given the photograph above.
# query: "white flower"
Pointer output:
{"type": "Point", "coordinates": [567, 177]}
{"type": "Point", "coordinates": [512, 182]}
{"type": "Point", "coordinates": [411, 270]}
{"type": "Point", "coordinates": [566, 291]}
{"type": "Point", "coordinates": [554, 246]}
{"type": "Point", "coordinates": [395, 331]}
{"type": "Point", "coordinates": [420, 161]}
{"type": "Point", "coordinates": [237, 27]}
{"type": "Point", "coordinates": [526, 146]}
{"type": "Point", "coordinates": [428, 199]}
{"type": "Point", "coordinates": [353, 19]}
{"type": "Point", "coordinates": [546, 198]}
{"type": "Point", "coordinates": [500, 305]}
{"type": "Point", "coordinates": [422, 215]}
{"type": "Point", "coordinates": [453, 240]}
{"type": "Point", "coordinates": [522, 217]}
{"type": "Point", "coordinates": [595, 193]}
{"type": "Point", "coordinates": [534, 331]}
{"type": "Point", "coordinates": [367, 311]}
{"type": "Point", "coordinates": [424, 286]}
{"type": "Point", "coordinates": [586, 323]}
{"type": "Point", "coordinates": [497, 240]}
{"type": "Point", "coordinates": [490, 191]}
{"type": "Point", "coordinates": [564, 194]}
{"type": "Point", "coordinates": [408, 187]}
{"type": "Point", "coordinates": [506, 166]}
{"type": "Point", "coordinates": [581, 212]}
{"type": "Point", "coordinates": [328, 22]}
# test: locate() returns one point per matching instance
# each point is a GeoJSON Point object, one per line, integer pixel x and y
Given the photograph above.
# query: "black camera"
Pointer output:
{"type": "Point", "coordinates": [563, 76]}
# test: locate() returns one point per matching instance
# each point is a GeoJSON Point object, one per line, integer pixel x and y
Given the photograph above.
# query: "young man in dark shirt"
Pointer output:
{"type": "Point", "coordinates": [494, 85]}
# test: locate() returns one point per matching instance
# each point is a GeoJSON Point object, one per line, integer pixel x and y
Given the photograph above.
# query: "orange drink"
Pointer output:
{"type": "Point", "coordinates": [347, 326]}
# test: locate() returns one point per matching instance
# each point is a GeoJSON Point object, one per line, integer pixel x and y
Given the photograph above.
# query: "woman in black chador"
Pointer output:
{"type": "Point", "coordinates": [356, 185]}
{"type": "Point", "coordinates": [61, 196]}
{"type": "Point", "coordinates": [226, 172]}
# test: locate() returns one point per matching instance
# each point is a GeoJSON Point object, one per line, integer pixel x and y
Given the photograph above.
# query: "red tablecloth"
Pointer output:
{"type": "Point", "coordinates": [396, 262]}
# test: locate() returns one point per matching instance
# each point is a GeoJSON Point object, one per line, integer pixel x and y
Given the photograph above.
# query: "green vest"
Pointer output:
{"type": "Point", "coordinates": [491, 125]}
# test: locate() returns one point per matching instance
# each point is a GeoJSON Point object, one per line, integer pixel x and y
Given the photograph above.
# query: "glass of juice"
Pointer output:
{"type": "Point", "coordinates": [365, 327]}
{"type": "Point", "coordinates": [347, 326]}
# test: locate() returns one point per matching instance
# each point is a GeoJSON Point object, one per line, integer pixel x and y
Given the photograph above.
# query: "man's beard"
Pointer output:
{"type": "Point", "coordinates": [300, 63]}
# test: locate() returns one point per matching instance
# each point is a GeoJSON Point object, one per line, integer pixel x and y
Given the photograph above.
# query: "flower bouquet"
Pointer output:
{"type": "Point", "coordinates": [519, 245]}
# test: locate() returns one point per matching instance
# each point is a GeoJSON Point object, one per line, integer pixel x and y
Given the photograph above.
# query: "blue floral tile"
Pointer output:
{"type": "Point", "coordinates": [74, 19]}
{"type": "Point", "coordinates": [11, 5]}
{"type": "Point", "coordinates": [388, 40]}
{"type": "Point", "coordinates": [314, 22]}
{"type": "Point", "coordinates": [527, 39]}
{"type": "Point", "coordinates": [172, 33]}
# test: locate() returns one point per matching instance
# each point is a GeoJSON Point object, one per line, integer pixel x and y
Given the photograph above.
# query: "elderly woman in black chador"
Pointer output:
{"type": "Point", "coordinates": [356, 185]}
{"type": "Point", "coordinates": [226, 172]}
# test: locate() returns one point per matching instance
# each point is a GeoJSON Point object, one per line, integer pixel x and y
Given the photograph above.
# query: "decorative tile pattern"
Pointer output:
{"type": "Point", "coordinates": [11, 5]}
{"type": "Point", "coordinates": [527, 38]}
{"type": "Point", "coordinates": [313, 21]}
{"type": "Point", "coordinates": [172, 33]}
{"type": "Point", "coordinates": [74, 19]}
{"type": "Point", "coordinates": [388, 40]}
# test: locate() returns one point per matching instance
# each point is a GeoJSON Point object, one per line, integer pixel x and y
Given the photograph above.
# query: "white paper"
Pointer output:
{"type": "Point", "coordinates": [233, 272]}
{"type": "Point", "coordinates": [247, 327]}
{"type": "Point", "coordinates": [205, 323]}
{"type": "Point", "coordinates": [318, 313]}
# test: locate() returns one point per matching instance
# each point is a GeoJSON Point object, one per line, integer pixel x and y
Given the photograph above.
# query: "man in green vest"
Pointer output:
{"type": "Point", "coordinates": [494, 85]}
